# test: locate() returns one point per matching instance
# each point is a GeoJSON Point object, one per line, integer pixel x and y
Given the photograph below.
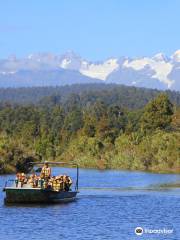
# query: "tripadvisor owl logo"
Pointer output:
{"type": "Point", "coordinates": [139, 231]}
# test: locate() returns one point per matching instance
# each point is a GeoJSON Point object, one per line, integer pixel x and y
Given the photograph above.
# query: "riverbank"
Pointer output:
{"type": "Point", "coordinates": [158, 153]}
{"type": "Point", "coordinates": [118, 158]}
{"type": "Point", "coordinates": [164, 171]}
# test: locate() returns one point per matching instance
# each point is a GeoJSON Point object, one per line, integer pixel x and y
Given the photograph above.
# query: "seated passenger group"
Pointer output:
{"type": "Point", "coordinates": [56, 183]}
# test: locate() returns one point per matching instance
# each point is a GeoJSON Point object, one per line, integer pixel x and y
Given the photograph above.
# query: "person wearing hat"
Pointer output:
{"type": "Point", "coordinates": [46, 171]}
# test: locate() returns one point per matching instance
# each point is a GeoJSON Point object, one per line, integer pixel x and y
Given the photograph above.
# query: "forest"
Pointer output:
{"type": "Point", "coordinates": [131, 97]}
{"type": "Point", "coordinates": [98, 126]}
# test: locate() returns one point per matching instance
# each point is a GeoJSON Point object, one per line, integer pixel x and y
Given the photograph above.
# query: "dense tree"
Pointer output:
{"type": "Point", "coordinates": [110, 94]}
{"type": "Point", "coordinates": [95, 129]}
{"type": "Point", "coordinates": [157, 114]}
{"type": "Point", "coordinates": [176, 120]}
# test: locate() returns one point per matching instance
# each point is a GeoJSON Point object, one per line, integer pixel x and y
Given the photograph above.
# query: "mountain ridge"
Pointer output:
{"type": "Point", "coordinates": [159, 71]}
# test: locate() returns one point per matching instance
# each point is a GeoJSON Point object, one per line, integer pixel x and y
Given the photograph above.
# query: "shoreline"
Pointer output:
{"type": "Point", "coordinates": [115, 169]}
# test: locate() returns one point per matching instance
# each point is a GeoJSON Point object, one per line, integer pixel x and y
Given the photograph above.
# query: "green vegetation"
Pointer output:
{"type": "Point", "coordinates": [97, 131]}
{"type": "Point", "coordinates": [129, 97]}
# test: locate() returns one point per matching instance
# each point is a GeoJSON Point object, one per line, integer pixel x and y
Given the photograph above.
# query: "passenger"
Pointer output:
{"type": "Point", "coordinates": [22, 179]}
{"type": "Point", "coordinates": [57, 184]}
{"type": "Point", "coordinates": [42, 175]}
{"type": "Point", "coordinates": [33, 180]}
{"type": "Point", "coordinates": [68, 183]}
{"type": "Point", "coordinates": [46, 171]}
{"type": "Point", "coordinates": [40, 182]}
{"type": "Point", "coordinates": [61, 183]}
{"type": "Point", "coordinates": [64, 181]}
{"type": "Point", "coordinates": [53, 184]}
{"type": "Point", "coordinates": [17, 179]}
{"type": "Point", "coordinates": [51, 181]}
{"type": "Point", "coordinates": [49, 184]}
{"type": "Point", "coordinates": [36, 179]}
{"type": "Point", "coordinates": [25, 180]}
{"type": "Point", "coordinates": [45, 183]}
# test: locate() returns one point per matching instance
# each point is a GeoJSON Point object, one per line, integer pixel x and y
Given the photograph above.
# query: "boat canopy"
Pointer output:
{"type": "Point", "coordinates": [54, 163]}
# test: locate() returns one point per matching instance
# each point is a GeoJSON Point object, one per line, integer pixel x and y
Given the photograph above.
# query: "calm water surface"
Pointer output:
{"type": "Point", "coordinates": [110, 205]}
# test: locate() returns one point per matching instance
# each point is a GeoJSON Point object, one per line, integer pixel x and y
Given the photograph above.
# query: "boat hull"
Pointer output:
{"type": "Point", "coordinates": [37, 195]}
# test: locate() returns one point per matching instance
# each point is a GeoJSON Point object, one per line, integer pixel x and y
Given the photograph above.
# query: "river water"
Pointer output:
{"type": "Point", "coordinates": [110, 205]}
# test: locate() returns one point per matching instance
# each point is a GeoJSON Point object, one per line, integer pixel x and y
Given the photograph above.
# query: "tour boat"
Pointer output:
{"type": "Point", "coordinates": [29, 194]}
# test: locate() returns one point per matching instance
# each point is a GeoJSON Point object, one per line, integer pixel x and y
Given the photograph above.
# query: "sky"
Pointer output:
{"type": "Point", "coordinates": [94, 29]}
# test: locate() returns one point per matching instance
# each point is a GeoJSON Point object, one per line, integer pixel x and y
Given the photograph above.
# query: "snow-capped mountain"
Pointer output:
{"type": "Point", "coordinates": [159, 71]}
